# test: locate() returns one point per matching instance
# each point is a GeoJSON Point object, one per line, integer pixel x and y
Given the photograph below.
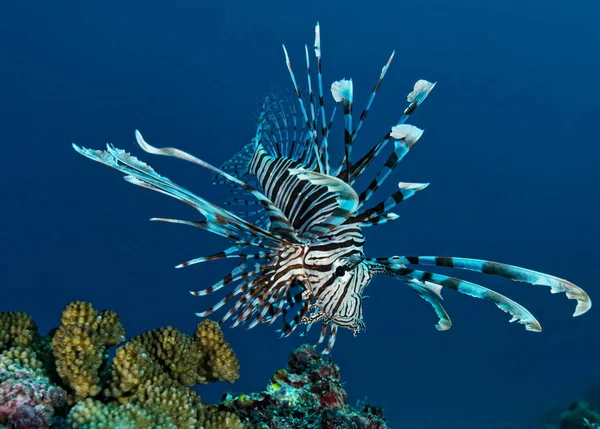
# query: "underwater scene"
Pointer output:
{"type": "Point", "coordinates": [285, 139]}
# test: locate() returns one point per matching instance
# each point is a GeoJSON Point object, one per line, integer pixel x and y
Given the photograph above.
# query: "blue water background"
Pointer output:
{"type": "Point", "coordinates": [511, 150]}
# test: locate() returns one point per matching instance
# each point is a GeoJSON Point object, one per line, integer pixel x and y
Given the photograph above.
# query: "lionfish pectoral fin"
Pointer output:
{"type": "Point", "coordinates": [556, 284]}
{"type": "Point", "coordinates": [139, 173]}
{"type": "Point", "coordinates": [218, 220]}
{"type": "Point", "coordinates": [242, 271]}
{"type": "Point", "coordinates": [232, 252]}
{"type": "Point", "coordinates": [517, 311]}
{"type": "Point", "coordinates": [430, 292]}
{"type": "Point", "coordinates": [280, 225]}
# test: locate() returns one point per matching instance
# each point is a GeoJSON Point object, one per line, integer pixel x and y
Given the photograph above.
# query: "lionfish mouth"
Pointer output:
{"type": "Point", "coordinates": [296, 220]}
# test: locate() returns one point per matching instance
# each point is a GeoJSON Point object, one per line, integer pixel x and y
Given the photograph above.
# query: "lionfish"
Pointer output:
{"type": "Point", "coordinates": [299, 231]}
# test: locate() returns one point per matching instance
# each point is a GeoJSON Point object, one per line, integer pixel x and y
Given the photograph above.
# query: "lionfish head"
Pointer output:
{"type": "Point", "coordinates": [339, 295]}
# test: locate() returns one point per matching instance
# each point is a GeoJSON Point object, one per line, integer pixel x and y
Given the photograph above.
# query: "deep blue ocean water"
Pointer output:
{"type": "Point", "coordinates": [510, 148]}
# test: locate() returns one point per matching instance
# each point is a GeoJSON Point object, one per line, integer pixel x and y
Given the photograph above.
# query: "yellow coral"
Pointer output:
{"type": "Point", "coordinates": [220, 362]}
{"type": "Point", "coordinates": [16, 329]}
{"type": "Point", "coordinates": [78, 313]}
{"type": "Point", "coordinates": [21, 346]}
{"type": "Point", "coordinates": [166, 357]}
{"type": "Point", "coordinates": [19, 357]}
{"type": "Point", "coordinates": [92, 414]}
{"type": "Point", "coordinates": [179, 403]}
{"type": "Point", "coordinates": [132, 367]}
{"type": "Point", "coordinates": [79, 353]}
{"type": "Point", "coordinates": [148, 378]}
{"type": "Point", "coordinates": [79, 346]}
{"type": "Point", "coordinates": [211, 419]}
{"type": "Point", "coordinates": [175, 351]}
{"type": "Point", "coordinates": [108, 326]}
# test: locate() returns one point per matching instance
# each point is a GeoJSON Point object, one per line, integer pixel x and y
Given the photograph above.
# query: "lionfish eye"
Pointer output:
{"type": "Point", "coordinates": [339, 271]}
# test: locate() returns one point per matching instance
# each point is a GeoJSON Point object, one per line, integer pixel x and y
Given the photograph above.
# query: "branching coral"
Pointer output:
{"type": "Point", "coordinates": [181, 405]}
{"type": "Point", "coordinates": [16, 329]}
{"type": "Point", "coordinates": [222, 420]}
{"type": "Point", "coordinates": [166, 357]}
{"type": "Point", "coordinates": [109, 328]}
{"type": "Point", "coordinates": [28, 399]}
{"type": "Point", "coordinates": [145, 385]}
{"type": "Point", "coordinates": [79, 355]}
{"type": "Point", "coordinates": [219, 362]}
{"type": "Point", "coordinates": [20, 357]}
{"type": "Point", "coordinates": [92, 414]}
{"type": "Point", "coordinates": [80, 344]}
{"type": "Point", "coordinates": [153, 370]}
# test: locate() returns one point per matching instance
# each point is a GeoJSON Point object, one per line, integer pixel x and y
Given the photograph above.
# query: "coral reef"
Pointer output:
{"type": "Point", "coordinates": [27, 399]}
{"type": "Point", "coordinates": [80, 345]}
{"type": "Point", "coordinates": [168, 358]}
{"type": "Point", "coordinates": [16, 329]}
{"type": "Point", "coordinates": [592, 395]}
{"type": "Point", "coordinates": [579, 415]}
{"type": "Point", "coordinates": [309, 394]}
{"type": "Point", "coordinates": [67, 380]}
{"type": "Point", "coordinates": [588, 425]}
{"type": "Point", "coordinates": [92, 413]}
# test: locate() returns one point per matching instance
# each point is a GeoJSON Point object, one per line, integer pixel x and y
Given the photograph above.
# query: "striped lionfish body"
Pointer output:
{"type": "Point", "coordinates": [297, 230]}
